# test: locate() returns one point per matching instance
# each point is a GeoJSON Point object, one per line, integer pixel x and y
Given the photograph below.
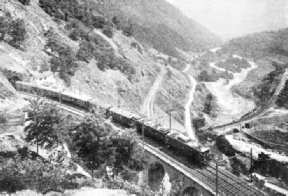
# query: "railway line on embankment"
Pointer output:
{"type": "Point", "coordinates": [259, 111]}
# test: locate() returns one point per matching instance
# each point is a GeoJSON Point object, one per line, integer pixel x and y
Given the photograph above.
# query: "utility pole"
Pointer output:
{"type": "Point", "coordinates": [37, 150]}
{"type": "Point", "coordinates": [216, 179]}
{"type": "Point", "coordinates": [251, 163]}
{"type": "Point", "coordinates": [60, 97]}
{"type": "Point", "coordinates": [143, 140]}
{"type": "Point", "coordinates": [170, 120]}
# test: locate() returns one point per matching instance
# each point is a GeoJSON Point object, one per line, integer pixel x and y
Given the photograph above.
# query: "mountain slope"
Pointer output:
{"type": "Point", "coordinates": [159, 24]}
{"type": "Point", "coordinates": [258, 45]}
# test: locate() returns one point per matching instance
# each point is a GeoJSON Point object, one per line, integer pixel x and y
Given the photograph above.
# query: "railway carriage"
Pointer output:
{"type": "Point", "coordinates": [32, 89]}
{"type": "Point", "coordinates": [151, 130]}
{"type": "Point", "coordinates": [123, 117]}
{"type": "Point", "coordinates": [171, 138]}
{"type": "Point", "coordinates": [80, 101]}
{"type": "Point", "coordinates": [54, 94]}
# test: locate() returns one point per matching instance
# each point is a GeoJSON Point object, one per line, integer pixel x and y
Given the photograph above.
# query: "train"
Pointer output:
{"type": "Point", "coordinates": [171, 139]}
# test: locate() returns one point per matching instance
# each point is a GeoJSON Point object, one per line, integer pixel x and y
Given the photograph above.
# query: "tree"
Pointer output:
{"type": "Point", "coordinates": [128, 155]}
{"type": "Point", "coordinates": [225, 147]}
{"type": "Point", "coordinates": [23, 174]}
{"type": "Point", "coordinates": [90, 142]}
{"type": "Point", "coordinates": [44, 128]}
{"type": "Point", "coordinates": [18, 32]}
{"type": "Point", "coordinates": [12, 31]}
{"type": "Point", "coordinates": [98, 145]}
{"type": "Point", "coordinates": [4, 27]}
{"type": "Point", "coordinates": [204, 76]}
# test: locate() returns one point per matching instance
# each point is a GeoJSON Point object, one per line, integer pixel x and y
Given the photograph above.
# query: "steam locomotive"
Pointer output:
{"type": "Point", "coordinates": [171, 138]}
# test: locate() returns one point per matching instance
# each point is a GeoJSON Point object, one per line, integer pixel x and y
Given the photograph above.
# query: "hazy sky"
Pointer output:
{"type": "Point", "coordinates": [231, 18]}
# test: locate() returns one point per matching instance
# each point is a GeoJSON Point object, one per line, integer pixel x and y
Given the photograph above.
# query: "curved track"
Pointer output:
{"type": "Point", "coordinates": [206, 177]}
{"type": "Point", "coordinates": [260, 111]}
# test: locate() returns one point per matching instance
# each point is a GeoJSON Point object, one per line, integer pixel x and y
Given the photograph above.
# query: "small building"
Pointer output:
{"type": "Point", "coordinates": [46, 77]}
{"type": "Point", "coordinates": [161, 58]}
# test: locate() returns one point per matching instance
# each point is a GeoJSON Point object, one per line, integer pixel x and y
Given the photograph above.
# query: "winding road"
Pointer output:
{"type": "Point", "coordinates": [188, 124]}
{"type": "Point", "coordinates": [261, 110]}
{"type": "Point", "coordinates": [148, 105]}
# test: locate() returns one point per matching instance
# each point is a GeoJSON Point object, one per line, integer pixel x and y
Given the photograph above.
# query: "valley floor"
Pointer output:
{"type": "Point", "coordinates": [232, 106]}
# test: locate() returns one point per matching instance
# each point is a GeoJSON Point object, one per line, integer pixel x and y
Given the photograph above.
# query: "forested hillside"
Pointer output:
{"type": "Point", "coordinates": [260, 44]}
{"type": "Point", "coordinates": [158, 24]}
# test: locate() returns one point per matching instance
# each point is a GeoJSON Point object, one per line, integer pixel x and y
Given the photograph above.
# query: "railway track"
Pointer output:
{"type": "Point", "coordinates": [206, 177]}
{"type": "Point", "coordinates": [228, 184]}
{"type": "Point", "coordinates": [259, 111]}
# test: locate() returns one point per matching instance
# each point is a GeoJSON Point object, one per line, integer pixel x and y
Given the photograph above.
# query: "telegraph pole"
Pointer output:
{"type": "Point", "coordinates": [170, 120]}
{"type": "Point", "coordinates": [216, 178]}
{"type": "Point", "coordinates": [143, 140]}
{"type": "Point", "coordinates": [251, 163]}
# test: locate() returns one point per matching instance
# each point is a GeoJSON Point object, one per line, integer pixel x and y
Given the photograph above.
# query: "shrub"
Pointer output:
{"type": "Point", "coordinates": [198, 123]}
{"type": "Point", "coordinates": [108, 31]}
{"type": "Point", "coordinates": [115, 20]}
{"type": "Point", "coordinates": [12, 31]}
{"type": "Point", "coordinates": [225, 147]}
{"type": "Point", "coordinates": [64, 8]}
{"type": "Point", "coordinates": [25, 2]}
{"type": "Point", "coordinates": [98, 22]}
{"type": "Point", "coordinates": [23, 172]}
{"type": "Point", "coordinates": [128, 30]}
{"type": "Point", "coordinates": [3, 119]}
{"type": "Point", "coordinates": [203, 135]}
{"type": "Point", "coordinates": [64, 61]}
{"type": "Point", "coordinates": [238, 167]}
{"type": "Point", "coordinates": [208, 104]}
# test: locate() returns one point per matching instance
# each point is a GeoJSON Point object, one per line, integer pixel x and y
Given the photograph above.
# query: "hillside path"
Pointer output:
{"type": "Point", "coordinates": [188, 125]}
{"type": "Point", "coordinates": [148, 105]}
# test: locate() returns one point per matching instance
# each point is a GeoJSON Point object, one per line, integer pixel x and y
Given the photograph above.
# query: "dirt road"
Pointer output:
{"type": "Point", "coordinates": [148, 105]}
{"type": "Point", "coordinates": [188, 124]}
